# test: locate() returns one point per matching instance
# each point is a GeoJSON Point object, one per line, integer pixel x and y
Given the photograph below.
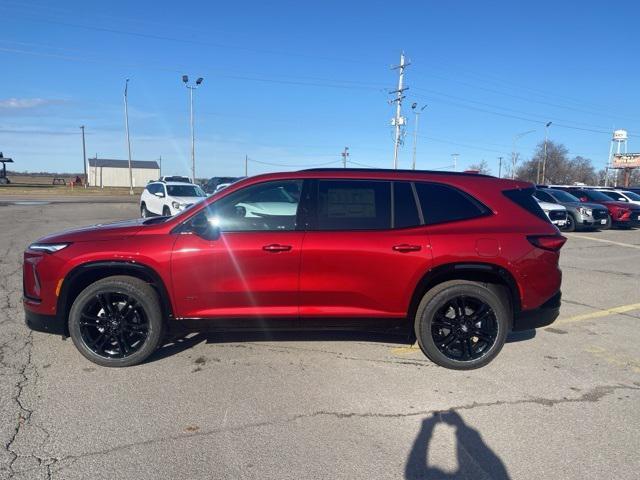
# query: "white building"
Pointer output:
{"type": "Point", "coordinates": [115, 173]}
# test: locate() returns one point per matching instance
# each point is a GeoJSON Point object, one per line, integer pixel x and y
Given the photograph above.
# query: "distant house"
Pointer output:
{"type": "Point", "coordinates": [105, 172]}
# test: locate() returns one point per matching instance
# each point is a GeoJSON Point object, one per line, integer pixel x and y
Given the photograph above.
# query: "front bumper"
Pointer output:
{"type": "Point", "coordinates": [45, 323]}
{"type": "Point", "coordinates": [542, 316]}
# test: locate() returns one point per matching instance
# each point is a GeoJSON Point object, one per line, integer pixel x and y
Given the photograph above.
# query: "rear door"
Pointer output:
{"type": "Point", "coordinates": [364, 251]}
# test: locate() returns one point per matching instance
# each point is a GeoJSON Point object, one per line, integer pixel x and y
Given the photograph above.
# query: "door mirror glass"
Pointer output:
{"type": "Point", "coordinates": [206, 228]}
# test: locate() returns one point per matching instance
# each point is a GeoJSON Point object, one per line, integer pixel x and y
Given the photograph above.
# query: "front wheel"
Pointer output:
{"type": "Point", "coordinates": [570, 226]}
{"type": "Point", "coordinates": [166, 212]}
{"type": "Point", "coordinates": [607, 225]}
{"type": "Point", "coordinates": [117, 321]}
{"type": "Point", "coordinates": [462, 325]}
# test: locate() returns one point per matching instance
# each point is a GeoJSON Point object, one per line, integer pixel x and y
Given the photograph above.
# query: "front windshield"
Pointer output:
{"type": "Point", "coordinates": [562, 196]}
{"type": "Point", "coordinates": [185, 191]}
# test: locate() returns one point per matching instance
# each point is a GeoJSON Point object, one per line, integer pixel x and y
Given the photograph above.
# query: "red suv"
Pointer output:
{"type": "Point", "coordinates": [458, 260]}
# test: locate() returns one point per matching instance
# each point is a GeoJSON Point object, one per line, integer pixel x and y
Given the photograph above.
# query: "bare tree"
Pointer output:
{"type": "Point", "coordinates": [559, 168]}
{"type": "Point", "coordinates": [481, 167]}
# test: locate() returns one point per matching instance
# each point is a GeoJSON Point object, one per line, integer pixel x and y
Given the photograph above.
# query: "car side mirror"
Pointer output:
{"type": "Point", "coordinates": [622, 199]}
{"type": "Point", "coordinates": [159, 194]}
{"type": "Point", "coordinates": [205, 229]}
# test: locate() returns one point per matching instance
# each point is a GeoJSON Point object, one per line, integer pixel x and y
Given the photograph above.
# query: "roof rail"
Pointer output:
{"type": "Point", "coordinates": [391, 170]}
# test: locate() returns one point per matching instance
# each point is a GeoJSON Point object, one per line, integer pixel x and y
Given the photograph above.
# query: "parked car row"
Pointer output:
{"type": "Point", "coordinates": [594, 207]}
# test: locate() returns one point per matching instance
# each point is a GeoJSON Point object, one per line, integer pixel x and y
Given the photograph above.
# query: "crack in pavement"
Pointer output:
{"type": "Point", "coordinates": [591, 396]}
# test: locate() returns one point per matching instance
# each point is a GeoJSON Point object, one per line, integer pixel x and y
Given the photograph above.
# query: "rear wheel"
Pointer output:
{"type": "Point", "coordinates": [144, 213]}
{"type": "Point", "coordinates": [461, 324]}
{"type": "Point", "coordinates": [116, 321]}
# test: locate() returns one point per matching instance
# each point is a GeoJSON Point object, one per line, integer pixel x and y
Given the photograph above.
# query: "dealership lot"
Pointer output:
{"type": "Point", "coordinates": [558, 404]}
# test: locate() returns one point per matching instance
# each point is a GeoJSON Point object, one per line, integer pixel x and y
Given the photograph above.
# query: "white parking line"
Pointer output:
{"type": "Point", "coordinates": [628, 245]}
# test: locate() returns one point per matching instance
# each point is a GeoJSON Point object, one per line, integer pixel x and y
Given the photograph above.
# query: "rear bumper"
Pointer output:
{"type": "Point", "coordinates": [545, 315]}
{"type": "Point", "coordinates": [45, 323]}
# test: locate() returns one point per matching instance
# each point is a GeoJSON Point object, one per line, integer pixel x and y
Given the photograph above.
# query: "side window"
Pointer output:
{"type": "Point", "coordinates": [543, 196]}
{"type": "Point", "coordinates": [441, 203]}
{"type": "Point", "coordinates": [353, 205]}
{"type": "Point", "coordinates": [269, 206]}
{"type": "Point", "coordinates": [405, 210]}
{"type": "Point", "coordinates": [153, 188]}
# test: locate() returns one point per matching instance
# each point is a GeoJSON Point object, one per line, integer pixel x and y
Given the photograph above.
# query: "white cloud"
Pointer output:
{"type": "Point", "coordinates": [26, 103]}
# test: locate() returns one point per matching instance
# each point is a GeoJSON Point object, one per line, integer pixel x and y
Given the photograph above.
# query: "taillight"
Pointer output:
{"type": "Point", "coordinates": [552, 243]}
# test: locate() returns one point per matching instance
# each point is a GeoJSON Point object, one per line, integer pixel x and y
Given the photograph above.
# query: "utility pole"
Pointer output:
{"type": "Point", "coordinates": [185, 79]}
{"type": "Point", "coordinates": [345, 154]}
{"type": "Point", "coordinates": [414, 107]}
{"type": "Point", "coordinates": [499, 167]}
{"type": "Point", "coordinates": [455, 160]}
{"type": "Point", "coordinates": [126, 123]}
{"type": "Point", "coordinates": [160, 159]}
{"type": "Point", "coordinates": [398, 121]}
{"type": "Point", "coordinates": [544, 162]}
{"type": "Point", "coordinates": [84, 157]}
{"type": "Point", "coordinates": [246, 165]}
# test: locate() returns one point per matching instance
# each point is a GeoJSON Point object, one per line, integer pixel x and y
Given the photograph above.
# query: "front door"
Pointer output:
{"type": "Point", "coordinates": [251, 269]}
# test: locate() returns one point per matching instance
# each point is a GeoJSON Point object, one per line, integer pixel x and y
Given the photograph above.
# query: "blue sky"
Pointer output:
{"type": "Point", "coordinates": [292, 83]}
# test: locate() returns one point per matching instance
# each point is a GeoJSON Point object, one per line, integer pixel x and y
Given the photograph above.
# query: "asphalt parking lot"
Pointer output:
{"type": "Point", "coordinates": [562, 403]}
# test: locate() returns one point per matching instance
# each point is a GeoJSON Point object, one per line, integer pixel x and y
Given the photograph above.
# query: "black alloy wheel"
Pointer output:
{"type": "Point", "coordinates": [117, 321]}
{"type": "Point", "coordinates": [464, 329]}
{"type": "Point", "coordinates": [463, 324]}
{"type": "Point", "coordinates": [113, 325]}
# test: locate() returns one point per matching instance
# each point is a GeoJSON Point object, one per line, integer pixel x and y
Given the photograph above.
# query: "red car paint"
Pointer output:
{"type": "Point", "coordinates": [307, 274]}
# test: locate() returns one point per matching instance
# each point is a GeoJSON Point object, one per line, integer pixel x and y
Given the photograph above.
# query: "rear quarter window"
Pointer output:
{"type": "Point", "coordinates": [524, 199]}
{"type": "Point", "coordinates": [442, 203]}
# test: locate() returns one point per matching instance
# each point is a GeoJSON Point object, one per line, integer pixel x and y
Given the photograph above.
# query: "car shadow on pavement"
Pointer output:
{"type": "Point", "coordinates": [474, 458]}
{"type": "Point", "coordinates": [179, 340]}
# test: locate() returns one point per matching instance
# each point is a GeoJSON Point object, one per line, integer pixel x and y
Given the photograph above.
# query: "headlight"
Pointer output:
{"type": "Point", "coordinates": [48, 247]}
{"type": "Point", "coordinates": [585, 211]}
{"type": "Point", "coordinates": [175, 205]}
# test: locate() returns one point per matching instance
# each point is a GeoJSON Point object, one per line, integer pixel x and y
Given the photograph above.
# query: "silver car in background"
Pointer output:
{"type": "Point", "coordinates": [580, 215]}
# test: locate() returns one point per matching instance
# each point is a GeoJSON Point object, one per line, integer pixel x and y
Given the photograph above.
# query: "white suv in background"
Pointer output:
{"type": "Point", "coordinates": [556, 213]}
{"type": "Point", "coordinates": [168, 198]}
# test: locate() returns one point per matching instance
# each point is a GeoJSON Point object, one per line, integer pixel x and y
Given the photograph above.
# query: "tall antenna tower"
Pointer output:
{"type": "Point", "coordinates": [398, 122]}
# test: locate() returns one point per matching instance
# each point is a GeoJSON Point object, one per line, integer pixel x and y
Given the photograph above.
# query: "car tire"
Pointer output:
{"type": "Point", "coordinates": [111, 334]}
{"type": "Point", "coordinates": [464, 349]}
{"type": "Point", "coordinates": [166, 212]}
{"type": "Point", "coordinates": [570, 226]}
{"type": "Point", "coordinates": [607, 225]}
{"type": "Point", "coordinates": [144, 213]}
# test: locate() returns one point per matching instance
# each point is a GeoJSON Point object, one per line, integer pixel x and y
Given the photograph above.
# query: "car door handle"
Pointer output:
{"type": "Point", "coordinates": [276, 247]}
{"type": "Point", "coordinates": [407, 248]}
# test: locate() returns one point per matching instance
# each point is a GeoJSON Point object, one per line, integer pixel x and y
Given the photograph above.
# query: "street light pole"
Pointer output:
{"type": "Point", "coordinates": [185, 79]}
{"type": "Point", "coordinates": [416, 113]}
{"type": "Point", "coordinates": [544, 162]}
{"type": "Point", "coordinates": [126, 123]}
{"type": "Point", "coordinates": [513, 151]}
{"type": "Point", "coordinates": [84, 157]}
